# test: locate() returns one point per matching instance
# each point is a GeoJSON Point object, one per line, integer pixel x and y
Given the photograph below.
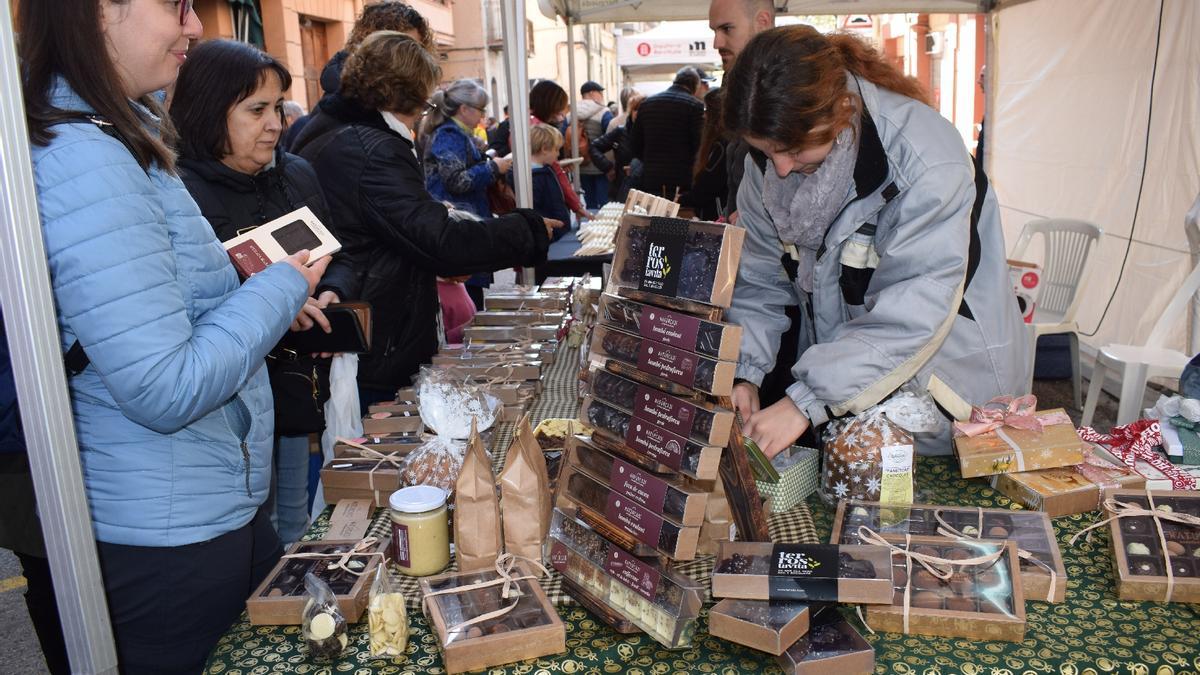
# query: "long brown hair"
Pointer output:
{"type": "Point", "coordinates": [63, 38]}
{"type": "Point", "coordinates": [712, 134]}
{"type": "Point", "coordinates": [791, 79]}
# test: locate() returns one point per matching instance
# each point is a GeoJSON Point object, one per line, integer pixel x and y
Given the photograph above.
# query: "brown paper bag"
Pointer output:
{"type": "Point", "coordinates": [477, 539]}
{"type": "Point", "coordinates": [525, 495]}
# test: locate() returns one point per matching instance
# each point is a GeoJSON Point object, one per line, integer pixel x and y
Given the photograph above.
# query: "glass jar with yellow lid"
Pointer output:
{"type": "Point", "coordinates": [420, 530]}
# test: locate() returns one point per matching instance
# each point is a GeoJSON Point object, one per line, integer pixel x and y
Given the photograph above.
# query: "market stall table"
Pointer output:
{"type": "Point", "coordinates": [1091, 629]}
{"type": "Point", "coordinates": [561, 260]}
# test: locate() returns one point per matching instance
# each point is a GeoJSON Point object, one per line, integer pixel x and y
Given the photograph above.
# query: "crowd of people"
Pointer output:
{"type": "Point", "coordinates": [860, 204]}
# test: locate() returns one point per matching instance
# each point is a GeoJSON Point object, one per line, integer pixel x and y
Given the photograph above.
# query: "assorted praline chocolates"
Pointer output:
{"type": "Point", "coordinates": [280, 598]}
{"type": "Point", "coordinates": [661, 602]}
{"type": "Point", "coordinates": [1031, 530]}
{"type": "Point", "coordinates": [708, 338]}
{"type": "Point", "coordinates": [531, 629]}
{"type": "Point", "coordinates": [1141, 562]}
{"type": "Point", "coordinates": [669, 496]}
{"type": "Point", "coordinates": [703, 422]}
{"type": "Point", "coordinates": [803, 572]}
{"type": "Point", "coordinates": [647, 444]}
{"type": "Point", "coordinates": [983, 601]}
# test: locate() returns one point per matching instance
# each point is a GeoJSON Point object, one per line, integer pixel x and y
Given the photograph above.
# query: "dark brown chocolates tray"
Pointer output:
{"type": "Point", "coordinates": [280, 598]}
{"type": "Point", "coordinates": [647, 444]}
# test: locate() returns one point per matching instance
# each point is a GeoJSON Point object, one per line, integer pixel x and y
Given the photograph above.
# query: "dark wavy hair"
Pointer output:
{"type": "Point", "coordinates": [218, 75]}
{"type": "Point", "coordinates": [64, 38]}
{"type": "Point", "coordinates": [712, 134]}
{"type": "Point", "coordinates": [390, 15]}
{"type": "Point", "coordinates": [791, 79]}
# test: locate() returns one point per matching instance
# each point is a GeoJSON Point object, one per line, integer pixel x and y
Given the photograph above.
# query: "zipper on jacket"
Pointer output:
{"type": "Point", "coordinates": [246, 461]}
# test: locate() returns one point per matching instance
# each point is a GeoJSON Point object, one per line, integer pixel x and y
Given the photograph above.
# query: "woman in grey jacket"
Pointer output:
{"type": "Point", "coordinates": [862, 206]}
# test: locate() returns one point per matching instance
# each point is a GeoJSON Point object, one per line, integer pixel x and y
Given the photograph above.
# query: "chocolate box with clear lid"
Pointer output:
{"type": "Point", "coordinates": [749, 570]}
{"type": "Point", "coordinates": [1031, 530]}
{"type": "Point", "coordinates": [522, 298]}
{"type": "Point", "coordinates": [1139, 559]}
{"type": "Point", "coordinates": [531, 629]}
{"type": "Point", "coordinates": [392, 423]}
{"type": "Point", "coordinates": [647, 444]}
{"type": "Point", "coordinates": [704, 422]}
{"type": "Point", "coordinates": [281, 597]}
{"type": "Point", "coordinates": [670, 496]}
{"type": "Point", "coordinates": [670, 368]}
{"type": "Point", "coordinates": [487, 334]}
{"type": "Point", "coordinates": [766, 625]}
{"type": "Point", "coordinates": [713, 339]}
{"type": "Point", "coordinates": [517, 317]}
{"type": "Point", "coordinates": [687, 259]}
{"type": "Point", "coordinates": [831, 645]}
{"type": "Point", "coordinates": [982, 601]}
{"type": "Point", "coordinates": [661, 602]}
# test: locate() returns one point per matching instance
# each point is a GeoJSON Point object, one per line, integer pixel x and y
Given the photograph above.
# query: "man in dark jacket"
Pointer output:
{"type": "Point", "coordinates": [666, 137]}
{"type": "Point", "coordinates": [498, 136]}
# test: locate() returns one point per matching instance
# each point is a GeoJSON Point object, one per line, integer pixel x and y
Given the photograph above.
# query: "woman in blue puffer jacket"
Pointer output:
{"type": "Point", "coordinates": [172, 409]}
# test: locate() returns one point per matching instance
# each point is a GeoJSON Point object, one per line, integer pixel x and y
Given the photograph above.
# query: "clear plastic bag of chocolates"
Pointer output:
{"type": "Point", "coordinates": [323, 627]}
{"type": "Point", "coordinates": [870, 456]}
{"type": "Point", "coordinates": [448, 406]}
{"type": "Point", "coordinates": [387, 617]}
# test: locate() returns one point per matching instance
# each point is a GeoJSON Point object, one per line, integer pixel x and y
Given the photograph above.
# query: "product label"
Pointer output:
{"type": "Point", "coordinates": [558, 556]}
{"type": "Point", "coordinates": [632, 572]}
{"type": "Point", "coordinates": [663, 447]}
{"type": "Point", "coordinates": [804, 572]}
{"type": "Point", "coordinates": [249, 258]}
{"type": "Point", "coordinates": [667, 362]}
{"type": "Point", "coordinates": [400, 551]}
{"type": "Point", "coordinates": [896, 484]}
{"type": "Point", "coordinates": [664, 410]}
{"type": "Point", "coordinates": [677, 330]}
{"type": "Point", "coordinates": [663, 256]}
{"type": "Point", "coordinates": [638, 485]}
{"type": "Point", "coordinates": [626, 514]}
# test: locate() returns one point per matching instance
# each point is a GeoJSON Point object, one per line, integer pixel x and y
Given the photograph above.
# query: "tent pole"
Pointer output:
{"type": "Point", "coordinates": [37, 362]}
{"type": "Point", "coordinates": [573, 94]}
{"type": "Point", "coordinates": [516, 67]}
{"type": "Point", "coordinates": [990, 20]}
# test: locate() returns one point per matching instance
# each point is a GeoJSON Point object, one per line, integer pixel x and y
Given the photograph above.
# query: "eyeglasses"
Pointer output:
{"type": "Point", "coordinates": [185, 8]}
{"type": "Point", "coordinates": [429, 106]}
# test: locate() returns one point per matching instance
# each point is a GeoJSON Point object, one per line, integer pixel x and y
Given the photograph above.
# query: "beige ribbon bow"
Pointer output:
{"type": "Point", "coordinates": [505, 564]}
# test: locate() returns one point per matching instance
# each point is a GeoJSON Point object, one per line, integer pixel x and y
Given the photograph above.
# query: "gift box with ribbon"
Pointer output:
{"type": "Point", "coordinates": [967, 588]}
{"type": "Point", "coordinates": [1043, 575]}
{"type": "Point", "coordinates": [1007, 435]}
{"type": "Point", "coordinates": [1068, 490]}
{"type": "Point", "coordinates": [492, 617]}
{"type": "Point", "coordinates": [1155, 540]}
{"type": "Point", "coordinates": [346, 565]}
{"type": "Point", "coordinates": [1134, 445]}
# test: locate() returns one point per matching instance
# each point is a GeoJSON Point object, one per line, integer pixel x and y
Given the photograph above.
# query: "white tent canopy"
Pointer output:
{"type": "Point", "coordinates": [617, 11]}
{"type": "Point", "coordinates": [666, 48]}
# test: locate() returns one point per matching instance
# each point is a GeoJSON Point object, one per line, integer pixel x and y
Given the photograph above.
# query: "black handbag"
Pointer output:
{"type": "Point", "coordinates": [300, 386]}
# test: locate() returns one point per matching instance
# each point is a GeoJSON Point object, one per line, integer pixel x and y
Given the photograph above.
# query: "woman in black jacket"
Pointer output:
{"type": "Point", "coordinates": [227, 108]}
{"type": "Point", "coordinates": [360, 141]}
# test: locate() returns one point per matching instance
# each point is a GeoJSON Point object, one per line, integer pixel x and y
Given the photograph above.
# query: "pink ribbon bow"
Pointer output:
{"type": "Point", "coordinates": [1002, 411]}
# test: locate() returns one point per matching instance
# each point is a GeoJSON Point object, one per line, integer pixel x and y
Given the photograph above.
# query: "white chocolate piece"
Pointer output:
{"type": "Point", "coordinates": [388, 622]}
{"type": "Point", "coordinates": [1136, 548]}
{"type": "Point", "coordinates": [1165, 508]}
{"type": "Point", "coordinates": [322, 626]}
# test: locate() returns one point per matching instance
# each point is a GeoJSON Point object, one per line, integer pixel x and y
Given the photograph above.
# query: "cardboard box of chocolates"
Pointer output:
{"type": "Point", "coordinates": [517, 317]}
{"type": "Point", "coordinates": [545, 351]}
{"type": "Point", "coordinates": [1139, 559]}
{"type": "Point", "coordinates": [668, 495]}
{"type": "Point", "coordinates": [531, 629]}
{"type": "Point", "coordinates": [661, 602]}
{"type": "Point", "coordinates": [281, 597]}
{"type": "Point", "coordinates": [378, 498]}
{"type": "Point", "coordinates": [651, 530]}
{"type": "Point", "coordinates": [383, 444]}
{"type": "Point", "coordinates": [515, 299]}
{"type": "Point", "coordinates": [510, 371]}
{"type": "Point", "coordinates": [392, 423]}
{"type": "Point", "coordinates": [712, 339]}
{"type": "Point", "coordinates": [750, 570]}
{"type": "Point", "coordinates": [647, 444]}
{"type": "Point", "coordinates": [769, 627]}
{"type": "Point", "coordinates": [394, 407]}
{"type": "Point", "coordinates": [1011, 450]}
{"type": "Point", "coordinates": [701, 421]}
{"type": "Point", "coordinates": [831, 645]}
{"type": "Point", "coordinates": [362, 473]}
{"type": "Point", "coordinates": [687, 259]}
{"type": "Point", "coordinates": [1031, 530]}
{"type": "Point", "coordinates": [625, 352]}
{"type": "Point", "coordinates": [486, 334]}
{"type": "Point", "coordinates": [983, 602]}
{"type": "Point", "coordinates": [1067, 490]}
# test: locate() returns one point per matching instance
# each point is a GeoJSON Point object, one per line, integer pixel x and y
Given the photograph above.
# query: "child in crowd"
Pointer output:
{"type": "Point", "coordinates": [544, 143]}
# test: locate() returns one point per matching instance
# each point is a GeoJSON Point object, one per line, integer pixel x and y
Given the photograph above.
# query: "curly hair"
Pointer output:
{"type": "Point", "coordinates": [784, 104]}
{"type": "Point", "coordinates": [390, 15]}
{"type": "Point", "coordinates": [390, 71]}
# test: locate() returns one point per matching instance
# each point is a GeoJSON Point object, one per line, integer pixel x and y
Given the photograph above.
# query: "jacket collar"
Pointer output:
{"type": "Point", "coordinates": [215, 171]}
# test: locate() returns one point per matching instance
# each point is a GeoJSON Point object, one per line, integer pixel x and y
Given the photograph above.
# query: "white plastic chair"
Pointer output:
{"type": "Point", "coordinates": [1138, 364]}
{"type": "Point", "coordinates": [1067, 246]}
